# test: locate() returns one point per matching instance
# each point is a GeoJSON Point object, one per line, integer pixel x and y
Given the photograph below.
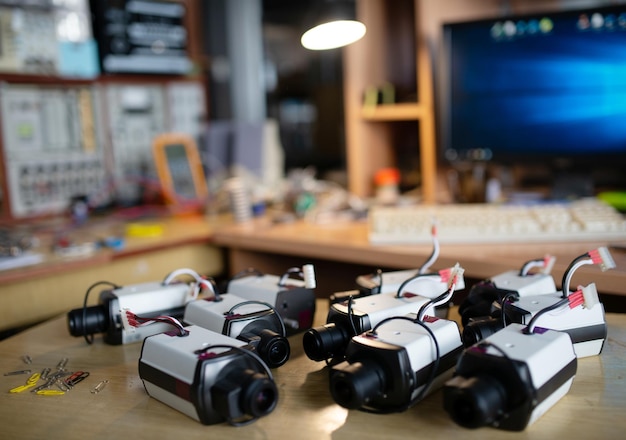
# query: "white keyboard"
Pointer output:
{"type": "Point", "coordinates": [583, 220]}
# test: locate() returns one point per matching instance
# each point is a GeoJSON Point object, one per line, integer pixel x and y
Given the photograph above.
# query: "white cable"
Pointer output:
{"type": "Point", "coordinates": [570, 274]}
{"type": "Point", "coordinates": [198, 279]}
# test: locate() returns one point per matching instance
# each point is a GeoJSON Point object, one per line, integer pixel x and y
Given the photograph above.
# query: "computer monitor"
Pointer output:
{"type": "Point", "coordinates": [542, 89]}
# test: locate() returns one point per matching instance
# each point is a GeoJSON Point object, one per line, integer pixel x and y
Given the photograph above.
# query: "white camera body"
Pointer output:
{"type": "Point", "coordinates": [511, 378]}
{"type": "Point", "coordinates": [586, 327]}
{"type": "Point", "coordinates": [403, 349]}
{"type": "Point", "coordinates": [293, 300]}
{"type": "Point", "coordinates": [254, 322]}
{"type": "Point", "coordinates": [191, 374]}
{"type": "Point", "coordinates": [525, 285]}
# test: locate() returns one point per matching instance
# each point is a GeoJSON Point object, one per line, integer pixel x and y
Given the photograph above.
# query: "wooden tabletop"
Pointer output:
{"type": "Point", "coordinates": [347, 241]}
{"type": "Point", "coordinates": [593, 408]}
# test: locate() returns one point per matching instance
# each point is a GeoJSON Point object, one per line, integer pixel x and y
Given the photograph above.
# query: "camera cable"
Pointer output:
{"type": "Point", "coordinates": [89, 337]}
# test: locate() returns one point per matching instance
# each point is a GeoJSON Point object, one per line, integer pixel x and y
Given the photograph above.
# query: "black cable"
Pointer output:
{"type": "Point", "coordinates": [243, 303]}
{"type": "Point", "coordinates": [350, 314]}
{"type": "Point", "coordinates": [503, 304]}
{"type": "Point", "coordinates": [432, 301]}
{"type": "Point", "coordinates": [414, 277]}
{"type": "Point", "coordinates": [89, 338]}
{"type": "Point", "coordinates": [523, 271]}
{"type": "Point", "coordinates": [568, 270]}
{"type": "Point", "coordinates": [556, 305]}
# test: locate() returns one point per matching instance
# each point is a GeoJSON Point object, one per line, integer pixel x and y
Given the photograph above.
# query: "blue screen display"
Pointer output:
{"type": "Point", "coordinates": [545, 85]}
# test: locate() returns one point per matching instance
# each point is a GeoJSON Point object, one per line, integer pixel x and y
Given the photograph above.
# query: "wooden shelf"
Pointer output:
{"type": "Point", "coordinates": [408, 111]}
{"type": "Point", "coordinates": [394, 52]}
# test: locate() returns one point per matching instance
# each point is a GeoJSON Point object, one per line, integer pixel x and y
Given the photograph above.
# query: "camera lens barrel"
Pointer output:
{"type": "Point", "coordinates": [259, 396]}
{"type": "Point", "coordinates": [474, 402]}
{"type": "Point", "coordinates": [244, 394]}
{"type": "Point", "coordinates": [325, 342]}
{"type": "Point", "coordinates": [273, 348]}
{"type": "Point", "coordinates": [87, 321]}
{"type": "Point", "coordinates": [354, 385]}
{"type": "Point", "coordinates": [479, 329]}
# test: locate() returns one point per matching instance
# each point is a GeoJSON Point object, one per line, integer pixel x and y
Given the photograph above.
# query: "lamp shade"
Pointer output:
{"type": "Point", "coordinates": [335, 26]}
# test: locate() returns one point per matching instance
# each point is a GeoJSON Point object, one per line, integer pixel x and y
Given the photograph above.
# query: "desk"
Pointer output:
{"type": "Point", "coordinates": [594, 407]}
{"type": "Point", "coordinates": [34, 293]}
{"type": "Point", "coordinates": [262, 245]}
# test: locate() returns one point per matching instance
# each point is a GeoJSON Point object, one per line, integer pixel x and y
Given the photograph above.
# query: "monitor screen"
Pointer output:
{"type": "Point", "coordinates": [536, 88]}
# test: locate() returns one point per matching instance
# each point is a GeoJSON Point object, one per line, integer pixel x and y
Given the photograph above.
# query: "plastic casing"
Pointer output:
{"type": "Point", "coordinates": [294, 302]}
{"type": "Point", "coordinates": [533, 284]}
{"type": "Point", "coordinates": [586, 327]}
{"type": "Point", "coordinates": [548, 367]}
{"type": "Point", "coordinates": [146, 300]}
{"type": "Point", "coordinates": [174, 374]}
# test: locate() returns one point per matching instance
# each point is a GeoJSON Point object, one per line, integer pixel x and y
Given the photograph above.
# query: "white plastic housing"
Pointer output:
{"type": "Point", "coordinates": [534, 284]}
{"type": "Point", "coordinates": [211, 314]}
{"type": "Point", "coordinates": [148, 298]}
{"type": "Point", "coordinates": [418, 343]}
{"type": "Point", "coordinates": [428, 286]}
{"type": "Point", "coordinates": [175, 356]}
{"type": "Point", "coordinates": [545, 354]}
{"type": "Point", "coordinates": [587, 327]}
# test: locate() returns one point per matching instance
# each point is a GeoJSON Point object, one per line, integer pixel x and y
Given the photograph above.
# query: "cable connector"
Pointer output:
{"type": "Point", "coordinates": [308, 274]}
{"type": "Point", "coordinates": [586, 296]}
{"type": "Point", "coordinates": [548, 264]}
{"type": "Point", "coordinates": [602, 257]}
{"type": "Point", "coordinates": [452, 275]}
{"type": "Point", "coordinates": [129, 321]}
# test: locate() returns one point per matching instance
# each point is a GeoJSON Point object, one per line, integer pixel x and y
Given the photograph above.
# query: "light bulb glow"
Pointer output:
{"type": "Point", "coordinates": [332, 35]}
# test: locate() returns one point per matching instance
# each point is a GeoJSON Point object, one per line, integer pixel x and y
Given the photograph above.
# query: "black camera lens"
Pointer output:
{"type": "Point", "coordinates": [325, 342]}
{"type": "Point", "coordinates": [474, 402]}
{"type": "Point", "coordinates": [82, 322]}
{"type": "Point", "coordinates": [243, 394]}
{"type": "Point", "coordinates": [259, 396]}
{"type": "Point", "coordinates": [354, 385]}
{"type": "Point", "coordinates": [480, 328]}
{"type": "Point", "coordinates": [273, 348]}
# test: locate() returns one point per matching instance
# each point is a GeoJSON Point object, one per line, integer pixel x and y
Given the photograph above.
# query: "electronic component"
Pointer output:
{"type": "Point", "coordinates": [396, 364]}
{"type": "Point", "coordinates": [144, 36]}
{"type": "Point", "coordinates": [254, 322]}
{"type": "Point", "coordinates": [585, 219]}
{"type": "Point", "coordinates": [293, 298]}
{"type": "Point", "coordinates": [50, 147]}
{"type": "Point", "coordinates": [179, 169]}
{"type": "Point", "coordinates": [208, 376]}
{"type": "Point", "coordinates": [484, 297]}
{"type": "Point", "coordinates": [510, 379]}
{"type": "Point", "coordinates": [147, 299]}
{"type": "Point", "coordinates": [353, 317]}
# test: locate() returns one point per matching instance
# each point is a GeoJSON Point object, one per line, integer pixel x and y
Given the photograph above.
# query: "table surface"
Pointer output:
{"type": "Point", "coordinates": [594, 406]}
{"type": "Point", "coordinates": [347, 241]}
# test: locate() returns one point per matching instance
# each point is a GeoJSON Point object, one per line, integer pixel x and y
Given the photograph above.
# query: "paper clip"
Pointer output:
{"type": "Point", "coordinates": [99, 387]}
{"type": "Point", "coordinates": [27, 359]}
{"type": "Point", "coordinates": [76, 378]}
{"type": "Point", "coordinates": [29, 384]}
{"type": "Point", "coordinates": [62, 363]}
{"type": "Point", "coordinates": [50, 392]}
{"type": "Point", "coordinates": [45, 372]}
{"type": "Point", "coordinates": [14, 373]}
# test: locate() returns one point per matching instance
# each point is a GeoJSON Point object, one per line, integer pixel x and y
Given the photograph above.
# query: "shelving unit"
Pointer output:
{"type": "Point", "coordinates": [27, 188]}
{"type": "Point", "coordinates": [392, 52]}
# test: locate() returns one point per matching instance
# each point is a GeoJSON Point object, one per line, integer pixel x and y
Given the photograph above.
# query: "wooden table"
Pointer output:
{"type": "Point", "coordinates": [271, 247]}
{"type": "Point", "coordinates": [594, 407]}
